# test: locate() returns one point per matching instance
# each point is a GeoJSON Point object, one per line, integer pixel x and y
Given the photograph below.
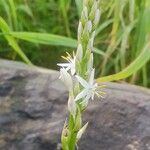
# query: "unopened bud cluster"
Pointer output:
{"type": "Point", "coordinates": [86, 33]}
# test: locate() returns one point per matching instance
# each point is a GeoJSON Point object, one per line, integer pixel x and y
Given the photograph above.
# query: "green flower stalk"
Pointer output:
{"type": "Point", "coordinates": [78, 75]}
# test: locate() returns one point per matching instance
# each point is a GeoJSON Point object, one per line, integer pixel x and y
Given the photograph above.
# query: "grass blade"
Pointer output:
{"type": "Point", "coordinates": [64, 6]}
{"type": "Point", "coordinates": [139, 62]}
{"type": "Point", "coordinates": [44, 38]}
{"type": "Point", "coordinates": [103, 26]}
{"type": "Point", "coordinates": [13, 13]}
{"type": "Point", "coordinates": [7, 10]}
{"type": "Point", "coordinates": [49, 39]}
{"type": "Point", "coordinates": [12, 42]}
{"type": "Point", "coordinates": [26, 9]}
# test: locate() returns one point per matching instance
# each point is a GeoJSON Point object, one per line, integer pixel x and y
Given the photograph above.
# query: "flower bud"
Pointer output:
{"type": "Point", "coordinates": [85, 35]}
{"type": "Point", "coordinates": [79, 53]}
{"type": "Point", "coordinates": [81, 131]}
{"type": "Point", "coordinates": [66, 79]}
{"type": "Point", "coordinates": [89, 24]}
{"type": "Point", "coordinates": [85, 2]}
{"type": "Point", "coordinates": [97, 17]}
{"type": "Point", "coordinates": [90, 64]}
{"type": "Point", "coordinates": [80, 30]}
{"type": "Point", "coordinates": [92, 37]}
{"type": "Point", "coordinates": [64, 137]}
{"type": "Point", "coordinates": [84, 15]}
{"type": "Point", "coordinates": [72, 104]}
{"type": "Point", "coordinates": [91, 42]}
{"type": "Point", "coordinates": [90, 45]}
{"type": "Point", "coordinates": [93, 11]}
{"type": "Point", "coordinates": [78, 122]}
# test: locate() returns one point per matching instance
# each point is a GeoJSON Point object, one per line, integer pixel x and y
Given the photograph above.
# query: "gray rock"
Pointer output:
{"type": "Point", "coordinates": [33, 109]}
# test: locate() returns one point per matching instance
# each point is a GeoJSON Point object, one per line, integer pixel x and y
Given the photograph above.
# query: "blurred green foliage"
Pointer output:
{"type": "Point", "coordinates": [37, 16]}
{"type": "Point", "coordinates": [122, 36]}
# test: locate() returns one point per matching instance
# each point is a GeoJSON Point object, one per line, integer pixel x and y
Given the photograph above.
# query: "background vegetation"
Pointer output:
{"type": "Point", "coordinates": [40, 31]}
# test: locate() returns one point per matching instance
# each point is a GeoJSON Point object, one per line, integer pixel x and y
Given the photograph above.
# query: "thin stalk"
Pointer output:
{"type": "Point", "coordinates": [14, 14]}
{"type": "Point", "coordinates": [64, 5]}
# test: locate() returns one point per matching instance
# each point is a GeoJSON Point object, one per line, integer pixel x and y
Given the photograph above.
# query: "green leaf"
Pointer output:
{"type": "Point", "coordinates": [103, 26]}
{"type": "Point", "coordinates": [49, 39]}
{"type": "Point", "coordinates": [12, 42]}
{"type": "Point", "coordinates": [44, 38]}
{"type": "Point", "coordinates": [139, 62]}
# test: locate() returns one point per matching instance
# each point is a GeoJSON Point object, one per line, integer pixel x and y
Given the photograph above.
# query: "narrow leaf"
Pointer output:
{"type": "Point", "coordinates": [44, 38]}
{"type": "Point", "coordinates": [137, 64]}
{"type": "Point", "coordinates": [12, 42]}
{"type": "Point", "coordinates": [50, 39]}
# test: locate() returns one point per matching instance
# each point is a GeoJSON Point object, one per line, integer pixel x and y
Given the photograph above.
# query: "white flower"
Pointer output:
{"type": "Point", "coordinates": [70, 65]}
{"type": "Point", "coordinates": [90, 88]}
{"type": "Point", "coordinates": [66, 79]}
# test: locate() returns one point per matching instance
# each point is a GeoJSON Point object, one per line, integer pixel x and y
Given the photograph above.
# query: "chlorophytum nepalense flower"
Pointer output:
{"type": "Point", "coordinates": [78, 75]}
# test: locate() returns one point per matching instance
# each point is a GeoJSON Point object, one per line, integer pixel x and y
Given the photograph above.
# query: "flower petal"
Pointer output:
{"type": "Point", "coordinates": [73, 70]}
{"type": "Point", "coordinates": [92, 96]}
{"type": "Point", "coordinates": [63, 64]}
{"type": "Point", "coordinates": [86, 101]}
{"type": "Point", "coordinates": [82, 94]}
{"type": "Point", "coordinates": [82, 81]}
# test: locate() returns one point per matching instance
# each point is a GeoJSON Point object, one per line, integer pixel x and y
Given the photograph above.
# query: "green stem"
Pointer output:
{"type": "Point", "coordinates": [72, 143]}
{"type": "Point", "coordinates": [72, 137]}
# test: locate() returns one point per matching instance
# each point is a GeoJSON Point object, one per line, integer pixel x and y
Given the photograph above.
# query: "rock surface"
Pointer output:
{"type": "Point", "coordinates": [33, 109]}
